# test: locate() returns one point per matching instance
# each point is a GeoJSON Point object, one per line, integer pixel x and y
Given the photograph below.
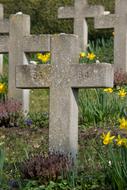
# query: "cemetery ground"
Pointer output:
{"type": "Point", "coordinates": [101, 162]}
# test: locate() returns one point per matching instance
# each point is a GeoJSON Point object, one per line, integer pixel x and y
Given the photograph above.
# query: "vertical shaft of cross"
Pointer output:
{"type": "Point", "coordinates": [19, 27]}
{"type": "Point", "coordinates": [1, 56]}
{"type": "Point", "coordinates": [63, 123]}
{"type": "Point", "coordinates": [79, 3]}
{"type": "Point", "coordinates": [120, 41]}
{"type": "Point", "coordinates": [81, 29]}
{"type": "Point", "coordinates": [80, 23]}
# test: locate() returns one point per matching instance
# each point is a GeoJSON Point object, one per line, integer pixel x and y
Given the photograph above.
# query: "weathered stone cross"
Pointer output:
{"type": "Point", "coordinates": [64, 77]}
{"type": "Point", "coordinates": [17, 44]}
{"type": "Point", "coordinates": [79, 12]}
{"type": "Point", "coordinates": [3, 29]}
{"type": "Point", "coordinates": [118, 21]}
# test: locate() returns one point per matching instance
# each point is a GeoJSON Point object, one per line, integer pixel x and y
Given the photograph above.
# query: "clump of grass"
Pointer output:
{"type": "Point", "coordinates": [103, 49]}
{"type": "Point", "coordinates": [99, 107]}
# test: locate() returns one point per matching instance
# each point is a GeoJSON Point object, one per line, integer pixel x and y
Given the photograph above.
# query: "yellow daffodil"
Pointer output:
{"type": "Point", "coordinates": [39, 56]}
{"type": "Point", "coordinates": [122, 93]}
{"type": "Point", "coordinates": [43, 57]}
{"type": "Point", "coordinates": [121, 141]}
{"type": "Point", "coordinates": [48, 55]}
{"type": "Point", "coordinates": [109, 90]}
{"type": "Point", "coordinates": [2, 88]}
{"type": "Point", "coordinates": [82, 54]}
{"type": "Point", "coordinates": [107, 138]}
{"type": "Point", "coordinates": [91, 56]}
{"type": "Point", "coordinates": [123, 123]}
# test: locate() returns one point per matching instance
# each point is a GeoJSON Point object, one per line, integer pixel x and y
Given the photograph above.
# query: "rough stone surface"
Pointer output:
{"type": "Point", "coordinates": [19, 27]}
{"type": "Point", "coordinates": [106, 21]}
{"type": "Point", "coordinates": [1, 12]}
{"type": "Point", "coordinates": [4, 41]}
{"type": "Point", "coordinates": [34, 43]}
{"type": "Point", "coordinates": [4, 28]}
{"type": "Point", "coordinates": [79, 12]}
{"type": "Point", "coordinates": [118, 21]}
{"type": "Point", "coordinates": [72, 76]}
{"type": "Point", "coordinates": [1, 64]}
{"type": "Point", "coordinates": [1, 56]}
{"type": "Point", "coordinates": [64, 77]}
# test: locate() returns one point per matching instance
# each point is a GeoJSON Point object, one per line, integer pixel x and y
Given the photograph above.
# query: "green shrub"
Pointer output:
{"type": "Point", "coordinates": [37, 119]}
{"type": "Point", "coordinates": [10, 113]}
{"type": "Point", "coordinates": [103, 49]}
{"type": "Point", "coordinates": [44, 15]}
{"type": "Point", "coordinates": [46, 167]}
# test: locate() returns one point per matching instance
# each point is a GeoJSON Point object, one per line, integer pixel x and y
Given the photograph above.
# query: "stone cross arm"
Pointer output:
{"type": "Point", "coordinates": [4, 41]}
{"type": "Point", "coordinates": [31, 43]}
{"type": "Point", "coordinates": [66, 12]}
{"type": "Point", "coordinates": [36, 43]}
{"type": "Point", "coordinates": [85, 12]}
{"type": "Point", "coordinates": [105, 21]}
{"type": "Point", "coordinates": [4, 26]}
{"type": "Point", "coordinates": [73, 76]}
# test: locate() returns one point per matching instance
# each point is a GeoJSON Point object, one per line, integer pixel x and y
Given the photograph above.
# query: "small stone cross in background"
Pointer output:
{"type": "Point", "coordinates": [118, 21]}
{"type": "Point", "coordinates": [20, 43]}
{"type": "Point", "coordinates": [17, 44]}
{"type": "Point", "coordinates": [79, 13]}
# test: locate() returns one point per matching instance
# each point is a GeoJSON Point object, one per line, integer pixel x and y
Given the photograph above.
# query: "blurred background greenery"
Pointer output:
{"type": "Point", "coordinates": [44, 15]}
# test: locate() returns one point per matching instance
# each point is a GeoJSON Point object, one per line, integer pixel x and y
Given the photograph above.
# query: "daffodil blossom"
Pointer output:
{"type": "Point", "coordinates": [43, 57]}
{"type": "Point", "coordinates": [82, 54]}
{"type": "Point", "coordinates": [2, 88]}
{"type": "Point", "coordinates": [122, 93]}
{"type": "Point", "coordinates": [109, 90]}
{"type": "Point", "coordinates": [107, 138]}
{"type": "Point", "coordinates": [91, 56]}
{"type": "Point", "coordinates": [123, 123]}
{"type": "Point", "coordinates": [121, 141]}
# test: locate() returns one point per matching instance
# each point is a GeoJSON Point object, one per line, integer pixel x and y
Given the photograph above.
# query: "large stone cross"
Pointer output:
{"type": "Point", "coordinates": [79, 12]}
{"type": "Point", "coordinates": [118, 21]}
{"type": "Point", "coordinates": [64, 77]}
{"type": "Point", "coordinates": [17, 44]}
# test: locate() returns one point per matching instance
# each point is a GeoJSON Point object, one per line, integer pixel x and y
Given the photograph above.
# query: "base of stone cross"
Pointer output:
{"type": "Point", "coordinates": [63, 120]}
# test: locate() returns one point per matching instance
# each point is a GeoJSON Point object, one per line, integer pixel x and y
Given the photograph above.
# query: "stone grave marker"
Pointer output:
{"type": "Point", "coordinates": [64, 76]}
{"type": "Point", "coordinates": [4, 29]}
{"type": "Point", "coordinates": [118, 21]}
{"type": "Point", "coordinates": [17, 44]}
{"type": "Point", "coordinates": [79, 13]}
